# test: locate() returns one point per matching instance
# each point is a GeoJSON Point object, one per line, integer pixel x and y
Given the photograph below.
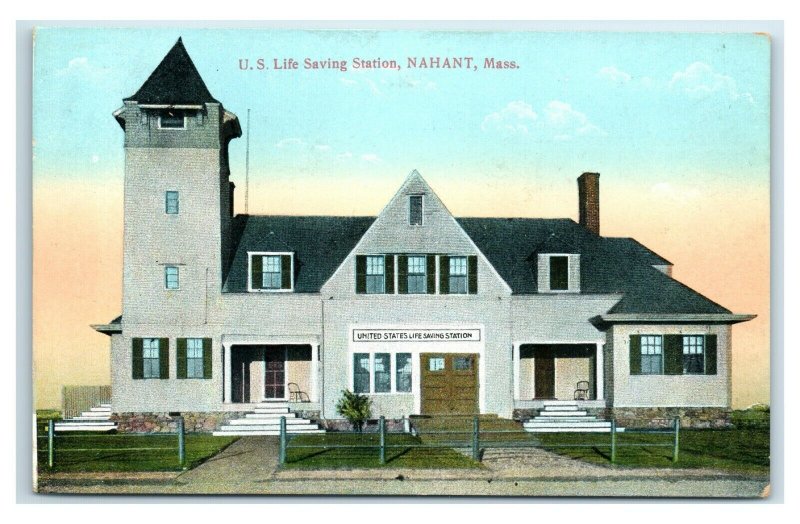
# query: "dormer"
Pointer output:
{"type": "Point", "coordinates": [558, 273]}
{"type": "Point", "coordinates": [270, 272]}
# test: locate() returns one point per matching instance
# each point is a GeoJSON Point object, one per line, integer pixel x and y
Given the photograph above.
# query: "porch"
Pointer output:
{"type": "Point", "coordinates": [558, 372]}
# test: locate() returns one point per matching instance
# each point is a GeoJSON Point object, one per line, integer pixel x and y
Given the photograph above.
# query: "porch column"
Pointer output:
{"type": "Point", "coordinates": [315, 373]}
{"type": "Point", "coordinates": [515, 358]}
{"type": "Point", "coordinates": [599, 371]}
{"type": "Point", "coordinates": [228, 383]}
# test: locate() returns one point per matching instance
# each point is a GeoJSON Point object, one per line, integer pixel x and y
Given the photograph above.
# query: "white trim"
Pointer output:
{"type": "Point", "coordinates": [170, 106]}
{"type": "Point", "coordinates": [515, 362]}
{"type": "Point", "coordinates": [600, 372]}
{"type": "Point", "coordinates": [573, 265]}
{"type": "Point", "coordinates": [250, 288]}
{"type": "Point", "coordinates": [184, 128]}
{"type": "Point", "coordinates": [596, 343]}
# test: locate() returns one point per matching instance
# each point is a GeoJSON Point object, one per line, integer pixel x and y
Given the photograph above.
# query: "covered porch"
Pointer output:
{"type": "Point", "coordinates": [548, 372]}
{"type": "Point", "coordinates": [270, 371]}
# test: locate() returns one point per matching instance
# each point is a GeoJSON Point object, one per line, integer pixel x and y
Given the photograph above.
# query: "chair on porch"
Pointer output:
{"type": "Point", "coordinates": [582, 390]}
{"type": "Point", "coordinates": [296, 394]}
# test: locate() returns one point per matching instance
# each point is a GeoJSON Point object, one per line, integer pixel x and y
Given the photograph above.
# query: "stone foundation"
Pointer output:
{"type": "Point", "coordinates": [392, 425]}
{"type": "Point", "coordinates": [193, 422]}
{"type": "Point", "coordinates": [696, 418]}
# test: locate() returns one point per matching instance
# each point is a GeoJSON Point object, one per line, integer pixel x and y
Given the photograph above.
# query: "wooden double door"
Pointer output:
{"type": "Point", "coordinates": [449, 383]}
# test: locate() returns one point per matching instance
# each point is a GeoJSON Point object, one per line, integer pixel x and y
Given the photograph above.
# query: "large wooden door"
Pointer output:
{"type": "Point", "coordinates": [544, 376]}
{"type": "Point", "coordinates": [275, 372]}
{"type": "Point", "coordinates": [449, 384]}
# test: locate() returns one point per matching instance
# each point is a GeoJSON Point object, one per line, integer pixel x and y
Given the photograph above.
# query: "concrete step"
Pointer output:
{"type": "Point", "coordinates": [560, 407]}
{"type": "Point", "coordinates": [247, 433]}
{"type": "Point", "coordinates": [275, 410]}
{"type": "Point", "coordinates": [268, 422]}
{"type": "Point", "coordinates": [90, 419]}
{"type": "Point", "coordinates": [84, 426]}
{"type": "Point", "coordinates": [564, 413]}
{"type": "Point", "coordinates": [271, 416]}
{"type": "Point", "coordinates": [569, 430]}
{"type": "Point", "coordinates": [568, 425]}
{"type": "Point", "coordinates": [560, 403]}
{"type": "Point", "coordinates": [96, 414]}
{"type": "Point", "coordinates": [563, 419]}
{"type": "Point", "coordinates": [104, 409]}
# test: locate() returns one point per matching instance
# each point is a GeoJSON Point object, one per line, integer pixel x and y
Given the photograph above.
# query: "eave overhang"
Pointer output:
{"type": "Point", "coordinates": [670, 318]}
{"type": "Point", "coordinates": [107, 329]}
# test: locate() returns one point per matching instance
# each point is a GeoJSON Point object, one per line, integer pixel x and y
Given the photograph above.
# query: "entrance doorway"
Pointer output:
{"type": "Point", "coordinates": [449, 384]}
{"type": "Point", "coordinates": [275, 373]}
{"type": "Point", "coordinates": [545, 374]}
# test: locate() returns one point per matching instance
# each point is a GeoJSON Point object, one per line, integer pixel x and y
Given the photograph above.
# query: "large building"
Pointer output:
{"type": "Point", "coordinates": [425, 312]}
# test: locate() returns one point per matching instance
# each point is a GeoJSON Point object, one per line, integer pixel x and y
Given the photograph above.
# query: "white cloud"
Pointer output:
{"type": "Point", "coordinates": [613, 74]}
{"type": "Point", "coordinates": [81, 66]}
{"type": "Point", "coordinates": [290, 142]}
{"type": "Point", "coordinates": [95, 159]}
{"type": "Point", "coordinates": [324, 148]}
{"type": "Point", "coordinates": [346, 154]}
{"type": "Point", "coordinates": [516, 117]}
{"type": "Point", "coordinates": [372, 158]}
{"type": "Point", "coordinates": [700, 80]}
{"type": "Point", "coordinates": [567, 121]}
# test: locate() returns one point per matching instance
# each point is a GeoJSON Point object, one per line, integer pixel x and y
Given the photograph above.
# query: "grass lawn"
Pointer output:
{"type": "Point", "coordinates": [318, 456]}
{"type": "Point", "coordinates": [111, 452]}
{"type": "Point", "coordinates": [734, 450]}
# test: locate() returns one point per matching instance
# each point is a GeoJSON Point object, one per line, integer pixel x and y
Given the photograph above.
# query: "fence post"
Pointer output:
{"type": "Point", "coordinates": [476, 439]}
{"type": "Point", "coordinates": [51, 433]}
{"type": "Point", "coordinates": [677, 439]}
{"type": "Point", "coordinates": [181, 442]}
{"type": "Point", "coordinates": [613, 440]}
{"type": "Point", "coordinates": [382, 429]}
{"type": "Point", "coordinates": [282, 449]}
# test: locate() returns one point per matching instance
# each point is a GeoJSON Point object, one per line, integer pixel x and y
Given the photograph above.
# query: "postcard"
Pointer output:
{"type": "Point", "coordinates": [396, 262]}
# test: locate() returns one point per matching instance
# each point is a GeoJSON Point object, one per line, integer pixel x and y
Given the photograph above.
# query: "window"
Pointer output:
{"type": "Point", "coordinates": [435, 363]}
{"type": "Point", "coordinates": [559, 273]}
{"type": "Point", "coordinates": [383, 374]}
{"type": "Point", "coordinates": [361, 373]}
{"type": "Point", "coordinates": [171, 202]}
{"type": "Point", "coordinates": [403, 372]}
{"type": "Point", "coordinates": [652, 355]}
{"type": "Point", "coordinates": [693, 352]}
{"type": "Point", "coordinates": [172, 120]}
{"type": "Point", "coordinates": [415, 210]}
{"type": "Point", "coordinates": [417, 281]}
{"type": "Point", "coordinates": [462, 364]}
{"type": "Point", "coordinates": [458, 275]}
{"type": "Point", "coordinates": [171, 279]}
{"type": "Point", "coordinates": [194, 358]}
{"type": "Point", "coordinates": [271, 272]}
{"type": "Point", "coordinates": [150, 357]}
{"type": "Point", "coordinates": [376, 279]}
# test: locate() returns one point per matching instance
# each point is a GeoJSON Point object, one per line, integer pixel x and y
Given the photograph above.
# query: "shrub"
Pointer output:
{"type": "Point", "coordinates": [754, 417]}
{"type": "Point", "coordinates": [357, 409]}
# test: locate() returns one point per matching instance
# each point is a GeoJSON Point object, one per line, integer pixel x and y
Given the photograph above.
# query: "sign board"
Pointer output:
{"type": "Point", "coordinates": [416, 335]}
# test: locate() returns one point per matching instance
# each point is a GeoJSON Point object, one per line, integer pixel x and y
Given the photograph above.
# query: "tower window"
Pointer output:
{"type": "Point", "coordinates": [415, 210]}
{"type": "Point", "coordinates": [171, 277]}
{"type": "Point", "coordinates": [171, 202]}
{"type": "Point", "coordinates": [172, 120]}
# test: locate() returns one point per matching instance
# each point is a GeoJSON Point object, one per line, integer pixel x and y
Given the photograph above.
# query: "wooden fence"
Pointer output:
{"type": "Point", "coordinates": [76, 399]}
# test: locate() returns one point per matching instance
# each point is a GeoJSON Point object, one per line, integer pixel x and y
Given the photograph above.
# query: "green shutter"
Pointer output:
{"type": "Point", "coordinates": [180, 357]}
{"type": "Point", "coordinates": [431, 274]}
{"type": "Point", "coordinates": [207, 358]}
{"type": "Point", "coordinates": [444, 275]}
{"type": "Point", "coordinates": [402, 274]}
{"type": "Point", "coordinates": [361, 274]}
{"type": "Point", "coordinates": [711, 354]}
{"type": "Point", "coordinates": [472, 271]}
{"type": "Point", "coordinates": [389, 269]}
{"type": "Point", "coordinates": [286, 271]}
{"type": "Point", "coordinates": [673, 354]}
{"type": "Point", "coordinates": [636, 354]}
{"type": "Point", "coordinates": [163, 357]}
{"type": "Point", "coordinates": [256, 268]}
{"type": "Point", "coordinates": [138, 358]}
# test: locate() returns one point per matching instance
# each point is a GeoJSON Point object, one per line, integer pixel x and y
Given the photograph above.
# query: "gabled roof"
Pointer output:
{"type": "Point", "coordinates": [175, 81]}
{"type": "Point", "coordinates": [511, 245]}
{"type": "Point", "coordinates": [320, 244]}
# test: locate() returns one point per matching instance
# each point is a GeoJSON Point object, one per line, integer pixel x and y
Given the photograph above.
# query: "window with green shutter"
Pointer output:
{"type": "Point", "coordinates": [271, 271]}
{"type": "Point", "coordinates": [194, 357]}
{"type": "Point", "coordinates": [673, 354]}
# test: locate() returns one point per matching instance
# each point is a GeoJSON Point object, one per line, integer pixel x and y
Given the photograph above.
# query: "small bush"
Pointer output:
{"type": "Point", "coordinates": [754, 417]}
{"type": "Point", "coordinates": [357, 409]}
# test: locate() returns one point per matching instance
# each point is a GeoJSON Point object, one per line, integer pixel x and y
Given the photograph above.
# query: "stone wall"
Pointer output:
{"type": "Point", "coordinates": [694, 418]}
{"type": "Point", "coordinates": [392, 425]}
{"type": "Point", "coordinates": [194, 422]}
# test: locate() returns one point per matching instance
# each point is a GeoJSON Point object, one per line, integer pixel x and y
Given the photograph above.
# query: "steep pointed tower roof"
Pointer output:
{"type": "Point", "coordinates": [175, 81]}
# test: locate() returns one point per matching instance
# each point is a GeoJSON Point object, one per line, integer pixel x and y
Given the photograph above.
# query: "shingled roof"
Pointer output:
{"type": "Point", "coordinates": [175, 81]}
{"type": "Point", "coordinates": [608, 265]}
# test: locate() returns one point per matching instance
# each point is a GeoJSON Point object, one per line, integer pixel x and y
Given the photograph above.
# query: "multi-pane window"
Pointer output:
{"type": "Point", "coordinates": [403, 372]}
{"type": "Point", "coordinates": [361, 372]}
{"type": "Point", "coordinates": [171, 202]}
{"type": "Point", "coordinates": [171, 277]}
{"type": "Point", "coordinates": [172, 120]}
{"type": "Point", "coordinates": [417, 281]}
{"type": "Point", "coordinates": [150, 356]}
{"type": "Point", "coordinates": [462, 363]}
{"type": "Point", "coordinates": [458, 275]}
{"type": "Point", "coordinates": [194, 358]}
{"type": "Point", "coordinates": [436, 364]}
{"type": "Point", "coordinates": [415, 210]}
{"type": "Point", "coordinates": [559, 273]}
{"type": "Point", "coordinates": [693, 354]}
{"type": "Point", "coordinates": [271, 272]}
{"type": "Point", "coordinates": [652, 354]}
{"type": "Point", "coordinates": [383, 373]}
{"type": "Point", "coordinates": [376, 279]}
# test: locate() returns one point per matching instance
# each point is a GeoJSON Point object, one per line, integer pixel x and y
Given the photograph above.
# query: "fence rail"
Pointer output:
{"type": "Point", "coordinates": [478, 440]}
{"type": "Point", "coordinates": [77, 399]}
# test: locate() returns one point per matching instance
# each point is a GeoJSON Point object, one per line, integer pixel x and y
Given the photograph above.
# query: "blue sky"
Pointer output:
{"type": "Point", "coordinates": [640, 105]}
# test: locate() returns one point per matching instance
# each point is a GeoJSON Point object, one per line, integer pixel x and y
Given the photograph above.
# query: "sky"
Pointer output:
{"type": "Point", "coordinates": [676, 123]}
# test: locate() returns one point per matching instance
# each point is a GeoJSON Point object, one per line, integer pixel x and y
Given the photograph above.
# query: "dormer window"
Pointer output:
{"type": "Point", "coordinates": [559, 273]}
{"type": "Point", "coordinates": [271, 272]}
{"type": "Point", "coordinates": [172, 119]}
{"type": "Point", "coordinates": [415, 210]}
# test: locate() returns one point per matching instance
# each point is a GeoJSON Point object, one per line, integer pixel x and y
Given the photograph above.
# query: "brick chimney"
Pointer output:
{"type": "Point", "coordinates": [589, 201]}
